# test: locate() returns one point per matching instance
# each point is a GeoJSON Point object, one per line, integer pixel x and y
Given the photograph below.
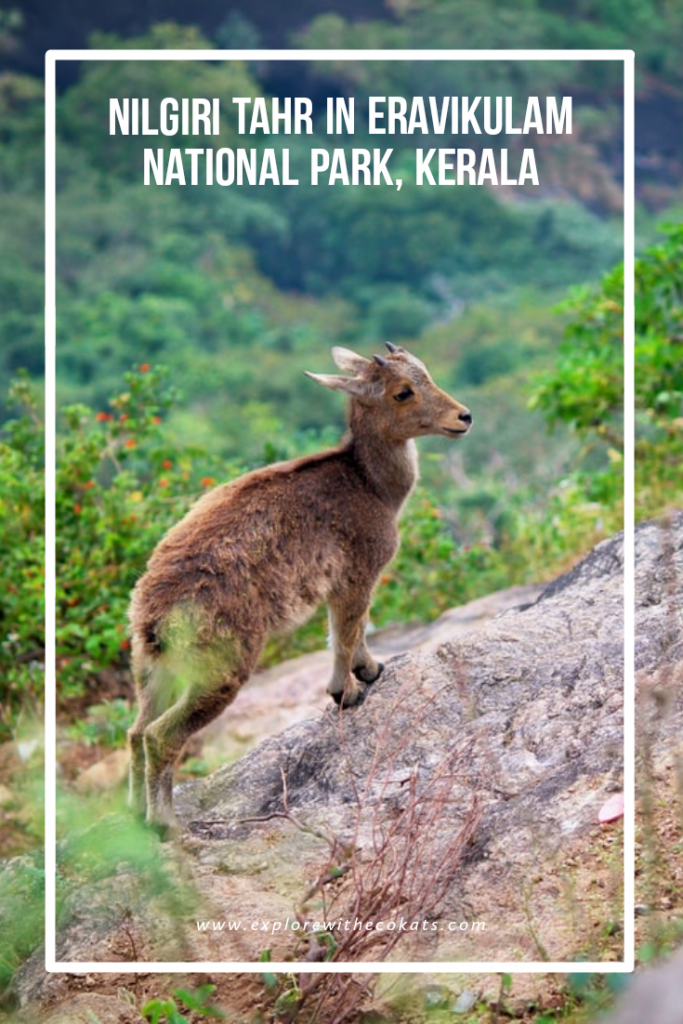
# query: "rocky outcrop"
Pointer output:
{"type": "Point", "coordinates": [509, 737]}
{"type": "Point", "coordinates": [462, 795]}
{"type": "Point", "coordinates": [525, 717]}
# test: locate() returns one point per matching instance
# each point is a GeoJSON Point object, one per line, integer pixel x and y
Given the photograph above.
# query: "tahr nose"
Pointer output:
{"type": "Point", "coordinates": [466, 416]}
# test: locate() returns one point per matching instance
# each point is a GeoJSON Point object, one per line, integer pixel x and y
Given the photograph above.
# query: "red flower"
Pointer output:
{"type": "Point", "coordinates": [166, 464]}
{"type": "Point", "coordinates": [104, 417]}
{"type": "Point", "coordinates": [125, 644]}
{"type": "Point", "coordinates": [88, 485]}
{"type": "Point", "coordinates": [123, 417]}
{"type": "Point", "coordinates": [207, 481]}
{"type": "Point", "coordinates": [156, 419]}
{"type": "Point", "coordinates": [144, 367]}
{"type": "Point", "coordinates": [78, 509]}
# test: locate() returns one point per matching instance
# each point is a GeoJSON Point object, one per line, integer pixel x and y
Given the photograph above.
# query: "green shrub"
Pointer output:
{"type": "Point", "coordinates": [586, 387]}
{"type": "Point", "coordinates": [105, 725]}
{"type": "Point", "coordinates": [659, 376]}
{"type": "Point", "coordinates": [22, 499]}
{"type": "Point", "coordinates": [121, 483]}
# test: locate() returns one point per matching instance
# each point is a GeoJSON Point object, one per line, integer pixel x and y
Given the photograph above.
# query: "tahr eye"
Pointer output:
{"type": "Point", "coordinates": [404, 393]}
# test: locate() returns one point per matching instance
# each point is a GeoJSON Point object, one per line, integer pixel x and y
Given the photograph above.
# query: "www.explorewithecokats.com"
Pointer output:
{"type": "Point", "coordinates": [401, 924]}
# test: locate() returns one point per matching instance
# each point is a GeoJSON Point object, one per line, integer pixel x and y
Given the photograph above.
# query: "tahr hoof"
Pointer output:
{"type": "Point", "coordinates": [349, 700]}
{"type": "Point", "coordinates": [164, 830]}
{"type": "Point", "coordinates": [366, 675]}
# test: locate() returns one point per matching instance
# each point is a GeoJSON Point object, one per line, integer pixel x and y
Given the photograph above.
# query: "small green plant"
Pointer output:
{"type": "Point", "coordinates": [22, 895]}
{"type": "Point", "coordinates": [165, 1011]}
{"type": "Point", "coordinates": [105, 725]}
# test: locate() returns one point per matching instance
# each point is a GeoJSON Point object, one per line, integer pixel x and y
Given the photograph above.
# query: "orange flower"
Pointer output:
{"type": "Point", "coordinates": [125, 644]}
{"type": "Point", "coordinates": [104, 417]}
{"type": "Point", "coordinates": [123, 417]}
{"type": "Point", "coordinates": [166, 464]}
{"type": "Point", "coordinates": [144, 367]}
{"type": "Point", "coordinates": [156, 419]}
{"type": "Point", "coordinates": [78, 509]}
{"type": "Point", "coordinates": [130, 443]}
{"type": "Point", "coordinates": [88, 485]}
{"type": "Point", "coordinates": [163, 482]}
{"type": "Point", "coordinates": [207, 481]}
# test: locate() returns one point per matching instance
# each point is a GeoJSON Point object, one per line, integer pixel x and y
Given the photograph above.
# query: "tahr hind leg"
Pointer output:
{"type": "Point", "coordinates": [200, 680]}
{"type": "Point", "coordinates": [143, 673]}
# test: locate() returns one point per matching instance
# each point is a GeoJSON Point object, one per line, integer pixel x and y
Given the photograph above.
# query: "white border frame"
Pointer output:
{"type": "Point", "coordinates": [213, 967]}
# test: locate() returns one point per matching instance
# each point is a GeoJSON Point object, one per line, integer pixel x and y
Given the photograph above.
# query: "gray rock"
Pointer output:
{"type": "Point", "coordinates": [466, 1001]}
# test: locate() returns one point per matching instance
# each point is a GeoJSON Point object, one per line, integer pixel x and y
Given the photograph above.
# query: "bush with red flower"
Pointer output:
{"type": "Point", "coordinates": [121, 482]}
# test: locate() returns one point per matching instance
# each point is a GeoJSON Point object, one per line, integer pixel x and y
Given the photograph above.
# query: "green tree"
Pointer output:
{"type": "Point", "coordinates": [585, 390]}
{"type": "Point", "coordinates": [659, 376]}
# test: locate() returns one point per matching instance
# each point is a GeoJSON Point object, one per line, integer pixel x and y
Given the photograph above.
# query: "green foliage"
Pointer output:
{"type": "Point", "coordinates": [512, 24]}
{"type": "Point", "coordinates": [585, 388]}
{"type": "Point", "coordinates": [22, 573]}
{"type": "Point", "coordinates": [659, 375]}
{"type": "Point", "coordinates": [121, 482]}
{"type": "Point", "coordinates": [165, 1011]}
{"type": "Point", "coordinates": [269, 979]}
{"type": "Point", "coordinates": [21, 225]}
{"type": "Point", "coordinates": [22, 895]}
{"type": "Point", "coordinates": [84, 109]}
{"type": "Point", "coordinates": [105, 725]}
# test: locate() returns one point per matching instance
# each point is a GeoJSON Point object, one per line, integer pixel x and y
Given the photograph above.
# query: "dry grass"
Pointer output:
{"type": "Point", "coordinates": [382, 884]}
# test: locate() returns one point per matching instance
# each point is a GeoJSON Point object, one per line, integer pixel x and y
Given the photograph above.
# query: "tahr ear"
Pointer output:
{"type": "Point", "coordinates": [348, 361]}
{"type": "Point", "coordinates": [357, 387]}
